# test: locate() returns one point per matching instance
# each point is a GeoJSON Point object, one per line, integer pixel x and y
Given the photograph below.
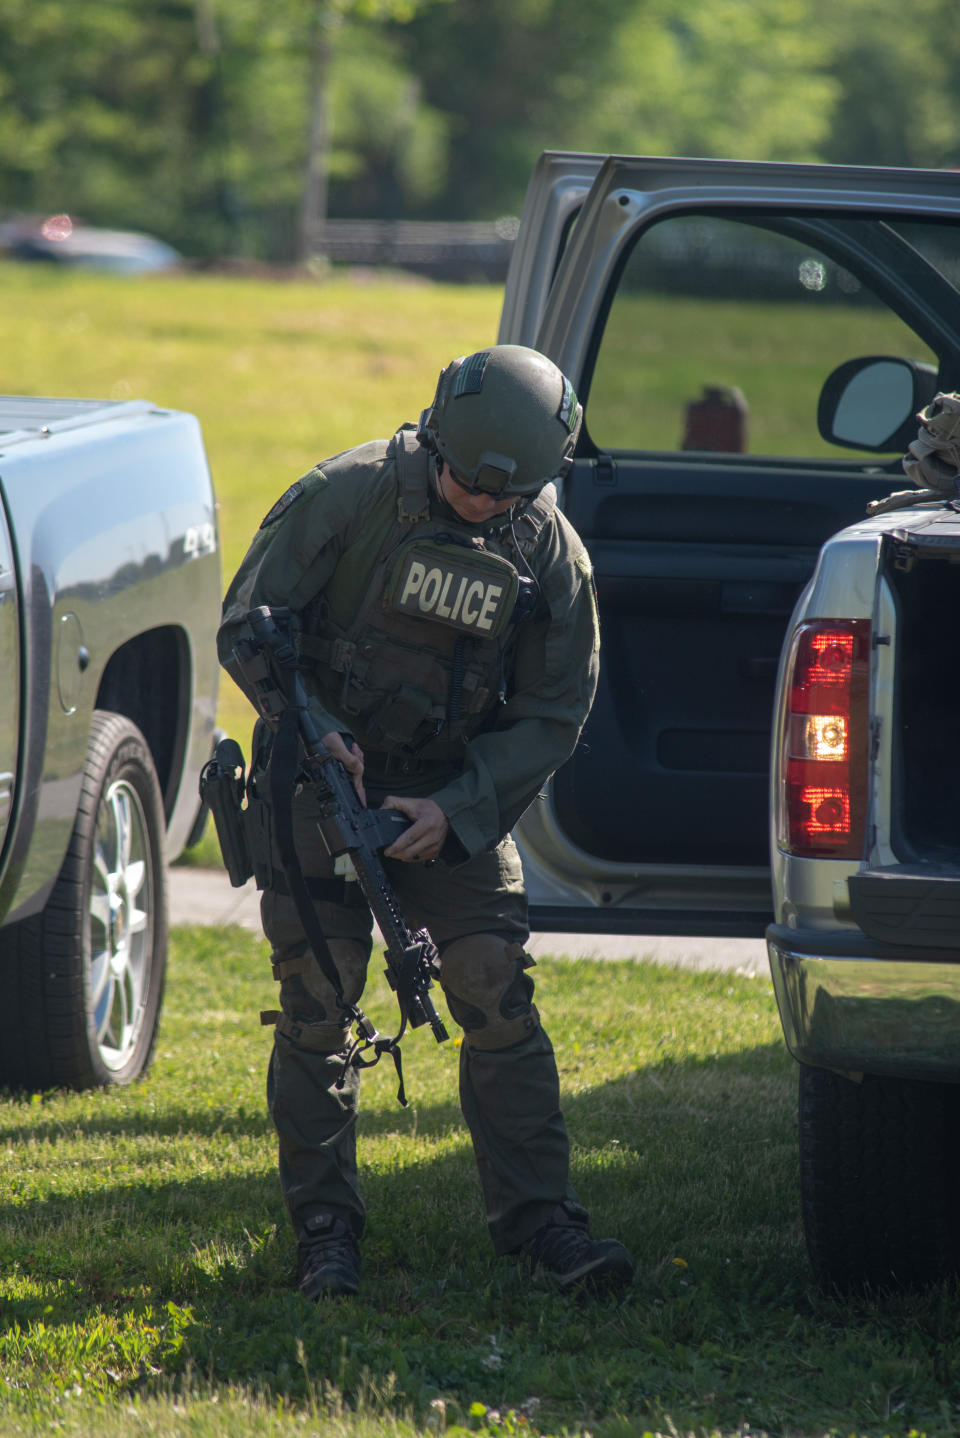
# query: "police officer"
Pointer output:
{"type": "Point", "coordinates": [446, 619]}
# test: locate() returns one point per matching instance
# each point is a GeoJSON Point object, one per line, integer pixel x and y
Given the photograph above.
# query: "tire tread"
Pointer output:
{"type": "Point", "coordinates": [877, 1179]}
{"type": "Point", "coordinates": [44, 1033]}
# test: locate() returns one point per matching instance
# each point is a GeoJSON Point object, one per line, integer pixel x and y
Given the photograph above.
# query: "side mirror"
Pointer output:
{"type": "Point", "coordinates": [872, 403]}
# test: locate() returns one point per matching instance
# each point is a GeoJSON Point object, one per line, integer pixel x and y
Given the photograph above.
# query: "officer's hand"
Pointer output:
{"type": "Point", "coordinates": [424, 840]}
{"type": "Point", "coordinates": [351, 759]}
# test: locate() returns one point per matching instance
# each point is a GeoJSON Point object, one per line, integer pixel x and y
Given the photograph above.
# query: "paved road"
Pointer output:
{"type": "Point", "coordinates": [204, 896]}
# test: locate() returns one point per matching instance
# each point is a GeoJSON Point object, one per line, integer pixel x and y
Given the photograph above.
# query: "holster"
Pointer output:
{"type": "Point", "coordinates": [222, 789]}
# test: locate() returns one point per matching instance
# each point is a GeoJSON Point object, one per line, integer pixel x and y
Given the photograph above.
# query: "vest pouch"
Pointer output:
{"type": "Point", "coordinates": [470, 590]}
{"type": "Point", "coordinates": [399, 717]}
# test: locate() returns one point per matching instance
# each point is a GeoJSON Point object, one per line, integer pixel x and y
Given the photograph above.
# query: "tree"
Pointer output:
{"type": "Point", "coordinates": [725, 79]}
{"type": "Point", "coordinates": [206, 122]}
{"type": "Point", "coordinates": [509, 76]}
{"type": "Point", "coordinates": [898, 77]}
{"type": "Point", "coordinates": [231, 127]}
{"type": "Point", "coordinates": [327, 19]}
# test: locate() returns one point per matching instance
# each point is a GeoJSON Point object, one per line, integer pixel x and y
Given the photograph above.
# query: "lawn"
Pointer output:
{"type": "Point", "coordinates": [146, 1262]}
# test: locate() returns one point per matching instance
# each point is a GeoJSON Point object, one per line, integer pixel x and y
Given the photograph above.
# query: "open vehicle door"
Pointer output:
{"type": "Point", "coordinates": [700, 309]}
{"type": "Point", "coordinates": [555, 196]}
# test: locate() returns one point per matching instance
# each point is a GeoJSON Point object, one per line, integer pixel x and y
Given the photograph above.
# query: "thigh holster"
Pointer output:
{"type": "Point", "coordinates": [488, 990]}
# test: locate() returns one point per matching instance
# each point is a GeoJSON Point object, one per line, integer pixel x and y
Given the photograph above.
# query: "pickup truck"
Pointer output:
{"type": "Point", "coordinates": [752, 343]}
{"type": "Point", "coordinates": [109, 599]}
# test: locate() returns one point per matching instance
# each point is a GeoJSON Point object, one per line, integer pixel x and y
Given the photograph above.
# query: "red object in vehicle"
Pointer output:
{"type": "Point", "coordinates": [823, 764]}
{"type": "Point", "coordinates": [717, 420]}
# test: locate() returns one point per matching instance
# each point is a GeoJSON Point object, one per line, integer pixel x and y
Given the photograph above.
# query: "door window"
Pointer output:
{"type": "Point", "coordinates": [723, 328]}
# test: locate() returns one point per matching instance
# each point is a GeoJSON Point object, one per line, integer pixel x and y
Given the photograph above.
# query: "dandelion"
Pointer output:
{"type": "Point", "coordinates": [679, 1262]}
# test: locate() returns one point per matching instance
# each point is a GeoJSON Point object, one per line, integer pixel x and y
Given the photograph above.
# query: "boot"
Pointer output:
{"type": "Point", "coordinates": [563, 1248]}
{"type": "Point", "coordinates": [328, 1258]}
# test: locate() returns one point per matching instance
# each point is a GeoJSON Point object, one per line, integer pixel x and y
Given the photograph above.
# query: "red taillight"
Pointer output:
{"type": "Point", "coordinates": [823, 763]}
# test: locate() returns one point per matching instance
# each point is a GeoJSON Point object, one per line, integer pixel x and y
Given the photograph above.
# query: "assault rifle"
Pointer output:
{"type": "Point", "coordinates": [270, 667]}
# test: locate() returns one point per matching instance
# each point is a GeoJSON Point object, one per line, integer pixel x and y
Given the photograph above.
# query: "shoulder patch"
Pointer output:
{"type": "Point", "coordinates": [284, 502]}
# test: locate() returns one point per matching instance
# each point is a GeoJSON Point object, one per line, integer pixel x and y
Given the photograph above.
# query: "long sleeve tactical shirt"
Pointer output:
{"type": "Point", "coordinates": [298, 554]}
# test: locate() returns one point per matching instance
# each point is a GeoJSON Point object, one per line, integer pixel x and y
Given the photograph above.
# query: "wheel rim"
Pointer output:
{"type": "Point", "coordinates": [121, 927]}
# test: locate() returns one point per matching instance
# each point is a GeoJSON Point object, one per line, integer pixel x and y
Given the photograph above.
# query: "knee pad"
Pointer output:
{"type": "Point", "coordinates": [488, 990]}
{"type": "Point", "coordinates": [310, 1013]}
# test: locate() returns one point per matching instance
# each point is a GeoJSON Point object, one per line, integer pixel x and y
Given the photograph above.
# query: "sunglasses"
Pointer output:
{"type": "Point", "coordinates": [494, 473]}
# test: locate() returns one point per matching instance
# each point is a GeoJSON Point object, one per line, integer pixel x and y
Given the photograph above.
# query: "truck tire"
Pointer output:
{"type": "Point", "coordinates": [878, 1177]}
{"type": "Point", "coordinates": [82, 981]}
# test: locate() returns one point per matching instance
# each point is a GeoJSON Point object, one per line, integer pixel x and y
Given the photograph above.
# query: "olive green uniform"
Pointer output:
{"type": "Point", "coordinates": [327, 551]}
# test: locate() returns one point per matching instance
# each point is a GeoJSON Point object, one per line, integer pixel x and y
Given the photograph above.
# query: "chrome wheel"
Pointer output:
{"type": "Point", "coordinates": [82, 981]}
{"type": "Point", "coordinates": [121, 924]}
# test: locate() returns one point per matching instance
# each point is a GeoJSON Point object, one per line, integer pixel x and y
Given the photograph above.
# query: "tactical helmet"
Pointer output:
{"type": "Point", "coordinates": [505, 420]}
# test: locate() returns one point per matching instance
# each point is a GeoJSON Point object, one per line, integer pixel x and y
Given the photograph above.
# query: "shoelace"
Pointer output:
{"type": "Point", "coordinates": [330, 1250]}
{"type": "Point", "coordinates": [561, 1245]}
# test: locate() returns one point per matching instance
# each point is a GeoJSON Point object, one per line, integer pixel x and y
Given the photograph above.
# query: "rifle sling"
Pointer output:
{"type": "Point", "coordinates": [283, 771]}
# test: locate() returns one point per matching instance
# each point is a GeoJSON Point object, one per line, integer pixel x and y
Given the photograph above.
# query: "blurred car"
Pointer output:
{"type": "Point", "coordinates": [58, 240]}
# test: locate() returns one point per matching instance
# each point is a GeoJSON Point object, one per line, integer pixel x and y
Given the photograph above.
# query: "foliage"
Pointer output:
{"type": "Point", "coordinates": [191, 118]}
{"type": "Point", "coordinates": [899, 100]}
{"type": "Point", "coordinates": [705, 90]}
{"type": "Point", "coordinates": [188, 117]}
{"type": "Point", "coordinates": [96, 97]}
{"type": "Point", "coordinates": [624, 78]}
{"type": "Point", "coordinates": [514, 77]}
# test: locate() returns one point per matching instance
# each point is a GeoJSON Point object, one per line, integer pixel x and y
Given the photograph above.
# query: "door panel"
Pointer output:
{"type": "Point", "coordinates": [697, 573]}
{"type": "Point", "coordinates": [699, 308]}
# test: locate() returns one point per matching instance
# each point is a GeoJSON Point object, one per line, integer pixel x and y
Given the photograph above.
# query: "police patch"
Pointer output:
{"type": "Point", "coordinates": [473, 591]}
{"type": "Point", "coordinates": [284, 502]}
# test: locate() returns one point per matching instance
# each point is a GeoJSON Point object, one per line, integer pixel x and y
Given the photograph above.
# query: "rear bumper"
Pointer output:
{"type": "Point", "coordinates": [849, 1003]}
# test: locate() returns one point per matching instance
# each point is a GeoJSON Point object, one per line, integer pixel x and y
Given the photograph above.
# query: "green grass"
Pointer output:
{"type": "Point", "coordinates": [658, 353]}
{"type": "Point", "coordinates": [146, 1261]}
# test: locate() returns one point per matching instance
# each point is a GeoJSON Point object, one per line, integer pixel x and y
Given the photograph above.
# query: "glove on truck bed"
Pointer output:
{"type": "Point", "coordinates": [109, 599]}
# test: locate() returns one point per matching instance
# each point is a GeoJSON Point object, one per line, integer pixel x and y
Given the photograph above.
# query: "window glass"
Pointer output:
{"type": "Point", "coordinates": [722, 331]}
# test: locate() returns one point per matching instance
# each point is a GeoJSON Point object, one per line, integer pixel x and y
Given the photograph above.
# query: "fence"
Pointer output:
{"type": "Point", "coordinates": [472, 250]}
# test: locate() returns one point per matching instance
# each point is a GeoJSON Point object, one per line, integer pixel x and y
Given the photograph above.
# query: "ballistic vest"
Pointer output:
{"type": "Point", "coordinates": [423, 662]}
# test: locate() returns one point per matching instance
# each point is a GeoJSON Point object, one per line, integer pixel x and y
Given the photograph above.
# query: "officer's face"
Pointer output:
{"type": "Point", "coordinates": [474, 508]}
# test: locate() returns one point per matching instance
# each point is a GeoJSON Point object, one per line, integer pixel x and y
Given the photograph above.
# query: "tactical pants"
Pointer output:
{"type": "Point", "coordinates": [509, 1090]}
